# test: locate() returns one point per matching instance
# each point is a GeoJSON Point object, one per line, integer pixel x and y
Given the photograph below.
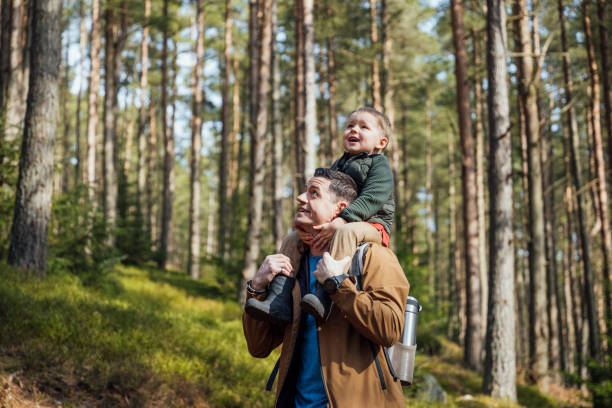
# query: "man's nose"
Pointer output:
{"type": "Point", "coordinates": [302, 198]}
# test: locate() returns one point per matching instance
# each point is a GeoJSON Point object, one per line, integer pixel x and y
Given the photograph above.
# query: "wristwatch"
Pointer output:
{"type": "Point", "coordinates": [332, 284]}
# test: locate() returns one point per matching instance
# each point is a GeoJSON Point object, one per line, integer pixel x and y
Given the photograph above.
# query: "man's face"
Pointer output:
{"type": "Point", "coordinates": [317, 205]}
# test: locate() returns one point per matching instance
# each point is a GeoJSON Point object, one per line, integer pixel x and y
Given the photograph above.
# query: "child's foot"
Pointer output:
{"type": "Point", "coordinates": [277, 307]}
{"type": "Point", "coordinates": [317, 304]}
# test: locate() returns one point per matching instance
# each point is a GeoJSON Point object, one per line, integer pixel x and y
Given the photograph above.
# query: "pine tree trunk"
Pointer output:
{"type": "Point", "coordinates": [28, 248]}
{"type": "Point", "coordinates": [310, 105]}
{"type": "Point", "coordinates": [376, 98]}
{"type": "Point", "coordinates": [193, 261]}
{"type": "Point", "coordinates": [277, 136]}
{"type": "Point", "coordinates": [474, 330]}
{"type": "Point", "coordinates": [300, 97]}
{"type": "Point", "coordinates": [5, 44]}
{"type": "Point", "coordinates": [605, 68]}
{"type": "Point", "coordinates": [428, 194]}
{"type": "Point", "coordinates": [92, 103]}
{"type": "Point", "coordinates": [259, 147]}
{"type": "Point", "coordinates": [500, 361]}
{"type": "Point", "coordinates": [331, 80]}
{"type": "Point", "coordinates": [577, 180]}
{"type": "Point", "coordinates": [225, 134]}
{"type": "Point", "coordinates": [78, 176]}
{"type": "Point", "coordinates": [142, 120]}
{"type": "Point", "coordinates": [538, 345]}
{"type": "Point", "coordinates": [480, 186]}
{"type": "Point", "coordinates": [151, 165]}
{"type": "Point", "coordinates": [108, 161]}
{"type": "Point", "coordinates": [456, 311]}
{"type": "Point", "coordinates": [66, 122]}
{"type": "Point", "coordinates": [168, 190]}
{"type": "Point", "coordinates": [19, 66]}
{"type": "Point", "coordinates": [600, 164]}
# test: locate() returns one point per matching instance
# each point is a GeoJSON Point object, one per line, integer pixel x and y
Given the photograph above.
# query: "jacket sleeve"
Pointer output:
{"type": "Point", "coordinates": [261, 337]}
{"type": "Point", "coordinates": [377, 312]}
{"type": "Point", "coordinates": [376, 191]}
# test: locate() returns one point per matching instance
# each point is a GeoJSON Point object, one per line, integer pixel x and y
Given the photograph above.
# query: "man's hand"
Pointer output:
{"type": "Point", "coordinates": [328, 267]}
{"type": "Point", "coordinates": [322, 240]}
{"type": "Point", "coordinates": [271, 266]}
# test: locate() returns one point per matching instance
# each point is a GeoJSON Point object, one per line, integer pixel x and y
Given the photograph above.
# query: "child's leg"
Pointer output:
{"type": "Point", "coordinates": [293, 247]}
{"type": "Point", "coordinates": [349, 236]}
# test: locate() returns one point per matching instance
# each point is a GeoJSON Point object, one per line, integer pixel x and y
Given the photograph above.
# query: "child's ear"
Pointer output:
{"type": "Point", "coordinates": [382, 143]}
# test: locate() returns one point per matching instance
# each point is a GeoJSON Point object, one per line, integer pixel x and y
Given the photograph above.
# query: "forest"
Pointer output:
{"type": "Point", "coordinates": [151, 153]}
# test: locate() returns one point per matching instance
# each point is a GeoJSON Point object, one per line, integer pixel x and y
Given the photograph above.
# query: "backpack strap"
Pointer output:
{"type": "Point", "coordinates": [357, 271]}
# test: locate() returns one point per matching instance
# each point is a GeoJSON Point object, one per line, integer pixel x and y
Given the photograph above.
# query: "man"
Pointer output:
{"type": "Point", "coordinates": [339, 362]}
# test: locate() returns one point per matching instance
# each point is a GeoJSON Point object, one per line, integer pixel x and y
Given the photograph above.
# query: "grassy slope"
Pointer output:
{"type": "Point", "coordinates": [141, 337]}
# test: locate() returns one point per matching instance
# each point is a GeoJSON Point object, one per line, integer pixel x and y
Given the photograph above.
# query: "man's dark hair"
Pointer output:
{"type": "Point", "coordinates": [341, 185]}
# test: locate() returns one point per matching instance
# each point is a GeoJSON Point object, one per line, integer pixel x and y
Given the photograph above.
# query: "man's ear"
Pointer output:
{"type": "Point", "coordinates": [341, 206]}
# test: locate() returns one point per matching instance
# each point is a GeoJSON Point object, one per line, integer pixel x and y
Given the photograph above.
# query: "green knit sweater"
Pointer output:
{"type": "Point", "coordinates": [374, 179]}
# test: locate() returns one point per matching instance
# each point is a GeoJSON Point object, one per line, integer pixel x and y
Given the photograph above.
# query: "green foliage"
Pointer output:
{"type": "Point", "coordinates": [9, 156]}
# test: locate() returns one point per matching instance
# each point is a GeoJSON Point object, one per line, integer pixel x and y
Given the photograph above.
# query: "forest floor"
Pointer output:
{"type": "Point", "coordinates": [140, 337]}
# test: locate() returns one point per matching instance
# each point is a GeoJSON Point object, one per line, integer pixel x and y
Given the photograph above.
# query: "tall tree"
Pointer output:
{"type": "Point", "coordinates": [78, 176]}
{"type": "Point", "coordinates": [277, 135]}
{"type": "Point", "coordinates": [142, 118]}
{"type": "Point", "coordinates": [576, 171]}
{"type": "Point", "coordinates": [193, 262]}
{"type": "Point", "coordinates": [500, 361]}
{"type": "Point", "coordinates": [92, 102]}
{"type": "Point", "coordinates": [474, 330]}
{"type": "Point", "coordinates": [480, 188]}
{"type": "Point", "coordinates": [605, 68]}
{"type": "Point", "coordinates": [258, 144]}
{"type": "Point", "coordinates": [377, 102]}
{"type": "Point", "coordinates": [225, 133]}
{"type": "Point", "coordinates": [18, 70]}
{"type": "Point", "coordinates": [28, 248]}
{"type": "Point", "coordinates": [598, 149]}
{"type": "Point", "coordinates": [310, 103]}
{"type": "Point", "coordinates": [332, 86]}
{"type": "Point", "coordinates": [538, 344]}
{"type": "Point", "coordinates": [168, 184]}
{"type": "Point", "coordinates": [299, 97]}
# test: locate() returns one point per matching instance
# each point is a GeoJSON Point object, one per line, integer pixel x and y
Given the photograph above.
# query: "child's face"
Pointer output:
{"type": "Point", "coordinates": [363, 134]}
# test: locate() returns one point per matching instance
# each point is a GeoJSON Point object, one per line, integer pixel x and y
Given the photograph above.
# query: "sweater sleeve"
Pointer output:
{"type": "Point", "coordinates": [376, 190]}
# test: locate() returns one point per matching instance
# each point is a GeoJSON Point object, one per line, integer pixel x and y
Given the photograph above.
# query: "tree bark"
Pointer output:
{"type": "Point", "coordinates": [428, 199]}
{"type": "Point", "coordinates": [605, 68]}
{"type": "Point", "coordinates": [277, 136]}
{"type": "Point", "coordinates": [92, 103]}
{"type": "Point", "coordinates": [500, 361]}
{"type": "Point", "coordinates": [538, 345]}
{"type": "Point", "coordinates": [456, 310]}
{"type": "Point", "coordinates": [151, 164]}
{"type": "Point", "coordinates": [225, 134]}
{"type": "Point", "coordinates": [331, 80]}
{"type": "Point", "coordinates": [259, 146]}
{"type": "Point", "coordinates": [109, 172]}
{"type": "Point", "coordinates": [473, 337]}
{"type": "Point", "coordinates": [310, 104]}
{"type": "Point", "coordinates": [29, 231]}
{"type": "Point", "coordinates": [376, 98]}
{"type": "Point", "coordinates": [65, 173]}
{"type": "Point", "coordinates": [168, 185]}
{"type": "Point", "coordinates": [142, 120]}
{"type": "Point", "coordinates": [572, 128]}
{"type": "Point", "coordinates": [600, 164]}
{"type": "Point", "coordinates": [300, 96]}
{"type": "Point", "coordinates": [193, 261]}
{"type": "Point", "coordinates": [19, 66]}
{"type": "Point", "coordinates": [78, 176]}
{"type": "Point", "coordinates": [480, 186]}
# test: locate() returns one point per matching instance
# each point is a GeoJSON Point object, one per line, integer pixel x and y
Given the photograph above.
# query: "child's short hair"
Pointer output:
{"type": "Point", "coordinates": [383, 120]}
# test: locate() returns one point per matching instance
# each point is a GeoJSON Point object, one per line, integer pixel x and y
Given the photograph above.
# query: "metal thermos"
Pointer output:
{"type": "Point", "coordinates": [411, 317]}
{"type": "Point", "coordinates": [402, 354]}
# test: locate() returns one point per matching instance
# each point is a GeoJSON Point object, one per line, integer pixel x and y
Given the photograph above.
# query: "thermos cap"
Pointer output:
{"type": "Point", "coordinates": [412, 301]}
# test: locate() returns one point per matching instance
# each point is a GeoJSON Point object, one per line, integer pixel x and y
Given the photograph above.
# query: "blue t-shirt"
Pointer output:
{"type": "Point", "coordinates": [310, 390]}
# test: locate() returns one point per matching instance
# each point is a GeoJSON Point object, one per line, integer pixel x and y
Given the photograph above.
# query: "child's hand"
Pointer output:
{"type": "Point", "coordinates": [322, 240]}
{"type": "Point", "coordinates": [305, 237]}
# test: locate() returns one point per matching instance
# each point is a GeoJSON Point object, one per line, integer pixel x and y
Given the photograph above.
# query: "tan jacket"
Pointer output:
{"type": "Point", "coordinates": [348, 366]}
